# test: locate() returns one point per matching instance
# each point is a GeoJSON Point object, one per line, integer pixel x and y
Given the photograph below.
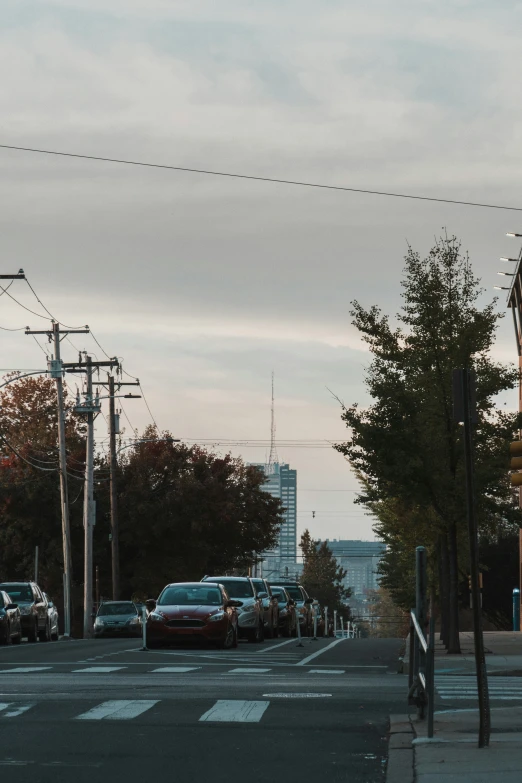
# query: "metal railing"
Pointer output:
{"type": "Point", "coordinates": [421, 673]}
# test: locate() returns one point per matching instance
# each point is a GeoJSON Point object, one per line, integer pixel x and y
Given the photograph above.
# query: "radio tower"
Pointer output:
{"type": "Point", "coordinates": [273, 458]}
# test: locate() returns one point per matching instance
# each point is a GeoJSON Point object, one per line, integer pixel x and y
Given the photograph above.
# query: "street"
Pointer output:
{"type": "Point", "coordinates": [107, 710]}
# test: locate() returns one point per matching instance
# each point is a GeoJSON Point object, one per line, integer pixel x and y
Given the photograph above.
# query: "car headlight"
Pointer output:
{"type": "Point", "coordinates": [214, 618]}
{"type": "Point", "coordinates": [156, 617]}
{"type": "Point", "coordinates": [246, 608]}
{"type": "Point", "coordinates": [134, 621]}
{"type": "Point", "coordinates": [99, 622]}
{"type": "Point", "coordinates": [25, 609]}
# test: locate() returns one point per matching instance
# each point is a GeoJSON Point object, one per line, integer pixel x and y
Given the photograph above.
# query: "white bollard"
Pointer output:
{"type": "Point", "coordinates": [335, 623]}
{"type": "Point", "coordinates": [299, 643]}
{"type": "Point", "coordinates": [348, 629]}
{"type": "Point", "coordinates": [314, 607]}
{"type": "Point", "coordinates": [326, 622]}
{"type": "Point", "coordinates": [144, 627]}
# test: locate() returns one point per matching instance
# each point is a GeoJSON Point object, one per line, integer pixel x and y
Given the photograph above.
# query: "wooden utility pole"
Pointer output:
{"type": "Point", "coordinates": [88, 407]}
{"type": "Point", "coordinates": [56, 371]}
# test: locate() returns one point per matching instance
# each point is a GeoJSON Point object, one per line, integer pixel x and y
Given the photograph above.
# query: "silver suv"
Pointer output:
{"type": "Point", "coordinates": [250, 611]}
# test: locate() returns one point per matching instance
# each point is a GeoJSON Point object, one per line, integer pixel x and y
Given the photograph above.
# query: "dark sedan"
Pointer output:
{"type": "Point", "coordinates": [193, 611]}
{"type": "Point", "coordinates": [117, 618]}
{"type": "Point", "coordinates": [10, 621]}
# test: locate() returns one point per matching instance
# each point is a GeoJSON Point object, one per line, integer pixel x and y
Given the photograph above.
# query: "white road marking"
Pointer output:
{"type": "Point", "coordinates": [296, 695]}
{"type": "Point", "coordinates": [461, 687]}
{"type": "Point", "coordinates": [175, 669]}
{"type": "Point", "coordinates": [236, 711]}
{"type": "Point", "coordinates": [319, 652]}
{"type": "Point", "coordinates": [99, 669]}
{"type": "Point", "coordinates": [118, 709]}
{"type": "Point", "coordinates": [15, 712]}
{"type": "Point", "coordinates": [248, 671]}
{"type": "Point", "coordinates": [326, 671]}
{"type": "Point", "coordinates": [274, 646]}
{"type": "Point", "coordinates": [24, 669]}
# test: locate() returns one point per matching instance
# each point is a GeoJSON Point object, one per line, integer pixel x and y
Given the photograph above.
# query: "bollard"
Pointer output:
{"type": "Point", "coordinates": [326, 621]}
{"type": "Point", "coordinates": [299, 643]}
{"type": "Point", "coordinates": [516, 609]}
{"type": "Point", "coordinates": [314, 607]}
{"type": "Point", "coordinates": [335, 623]}
{"type": "Point", "coordinates": [144, 627]}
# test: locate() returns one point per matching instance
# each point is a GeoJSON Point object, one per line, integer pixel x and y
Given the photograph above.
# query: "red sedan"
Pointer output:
{"type": "Point", "coordinates": [192, 611]}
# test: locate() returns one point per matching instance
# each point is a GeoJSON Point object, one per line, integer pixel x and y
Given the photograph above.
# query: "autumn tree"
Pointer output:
{"type": "Point", "coordinates": [322, 576]}
{"type": "Point", "coordinates": [406, 446]}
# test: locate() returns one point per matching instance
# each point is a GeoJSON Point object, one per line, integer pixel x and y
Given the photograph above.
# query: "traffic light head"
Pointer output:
{"type": "Point", "coordinates": [515, 449]}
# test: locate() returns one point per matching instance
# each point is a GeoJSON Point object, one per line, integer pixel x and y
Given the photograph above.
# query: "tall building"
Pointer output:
{"type": "Point", "coordinates": [281, 482]}
{"type": "Point", "coordinates": [360, 560]}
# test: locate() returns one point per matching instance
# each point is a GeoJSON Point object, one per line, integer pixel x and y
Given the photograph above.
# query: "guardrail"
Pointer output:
{"type": "Point", "coordinates": [421, 673]}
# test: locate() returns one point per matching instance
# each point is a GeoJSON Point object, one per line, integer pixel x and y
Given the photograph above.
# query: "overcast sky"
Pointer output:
{"type": "Point", "coordinates": [205, 285]}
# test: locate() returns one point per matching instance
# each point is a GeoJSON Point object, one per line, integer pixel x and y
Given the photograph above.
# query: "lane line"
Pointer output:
{"type": "Point", "coordinates": [14, 713]}
{"type": "Point", "coordinates": [25, 669]}
{"type": "Point", "coordinates": [248, 671]}
{"type": "Point", "coordinates": [175, 669]}
{"type": "Point", "coordinates": [274, 646]}
{"type": "Point", "coordinates": [98, 669]}
{"type": "Point", "coordinates": [326, 671]}
{"type": "Point", "coordinates": [235, 711]}
{"type": "Point", "coordinates": [318, 652]}
{"type": "Point", "coordinates": [118, 709]}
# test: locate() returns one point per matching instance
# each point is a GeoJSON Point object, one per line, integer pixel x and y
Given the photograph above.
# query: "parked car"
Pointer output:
{"type": "Point", "coordinates": [302, 600]}
{"type": "Point", "coordinates": [287, 613]}
{"type": "Point", "coordinates": [270, 607]}
{"type": "Point", "coordinates": [250, 610]}
{"type": "Point", "coordinates": [10, 620]}
{"type": "Point", "coordinates": [52, 613]}
{"type": "Point", "coordinates": [191, 611]}
{"type": "Point", "coordinates": [117, 618]}
{"type": "Point", "coordinates": [33, 609]}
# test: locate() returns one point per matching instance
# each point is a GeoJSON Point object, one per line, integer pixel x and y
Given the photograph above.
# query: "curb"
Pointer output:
{"type": "Point", "coordinates": [399, 768]}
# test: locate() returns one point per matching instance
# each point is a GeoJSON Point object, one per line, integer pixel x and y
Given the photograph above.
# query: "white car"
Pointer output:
{"type": "Point", "coordinates": [251, 611]}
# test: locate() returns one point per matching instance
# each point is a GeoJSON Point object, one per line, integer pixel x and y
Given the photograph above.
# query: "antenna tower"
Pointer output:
{"type": "Point", "coordinates": [273, 458]}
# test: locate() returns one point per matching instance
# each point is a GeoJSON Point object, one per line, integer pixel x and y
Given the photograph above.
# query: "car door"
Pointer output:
{"type": "Point", "coordinates": [41, 608]}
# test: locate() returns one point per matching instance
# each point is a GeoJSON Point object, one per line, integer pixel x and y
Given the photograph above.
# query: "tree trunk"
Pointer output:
{"type": "Point", "coordinates": [443, 587]}
{"type": "Point", "coordinates": [453, 624]}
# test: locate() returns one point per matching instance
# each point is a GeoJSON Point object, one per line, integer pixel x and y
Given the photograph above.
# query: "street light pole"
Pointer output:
{"type": "Point", "coordinates": [115, 534]}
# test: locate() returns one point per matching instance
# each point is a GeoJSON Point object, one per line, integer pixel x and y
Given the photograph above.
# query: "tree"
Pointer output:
{"type": "Point", "coordinates": [322, 577]}
{"type": "Point", "coordinates": [185, 512]}
{"type": "Point", "coordinates": [406, 447]}
{"type": "Point", "coordinates": [390, 621]}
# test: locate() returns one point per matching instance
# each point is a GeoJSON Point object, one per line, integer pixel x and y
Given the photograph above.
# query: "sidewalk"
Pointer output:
{"type": "Point", "coordinates": [453, 754]}
{"type": "Point", "coordinates": [503, 655]}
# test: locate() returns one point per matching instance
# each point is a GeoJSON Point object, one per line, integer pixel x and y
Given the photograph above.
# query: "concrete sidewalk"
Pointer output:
{"type": "Point", "coordinates": [503, 655]}
{"type": "Point", "coordinates": [452, 754]}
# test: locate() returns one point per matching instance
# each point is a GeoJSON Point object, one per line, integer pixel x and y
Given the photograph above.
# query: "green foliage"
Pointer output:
{"type": "Point", "coordinates": [322, 577]}
{"type": "Point", "coordinates": [405, 447]}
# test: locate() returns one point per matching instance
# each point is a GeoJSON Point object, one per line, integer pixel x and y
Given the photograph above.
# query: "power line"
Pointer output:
{"type": "Point", "coordinates": [5, 291]}
{"type": "Point", "coordinates": [147, 404]}
{"type": "Point", "coordinates": [254, 178]}
{"type": "Point", "coordinates": [45, 308]}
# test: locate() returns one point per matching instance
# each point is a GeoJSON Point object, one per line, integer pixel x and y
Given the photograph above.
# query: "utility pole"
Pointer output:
{"type": "Point", "coordinates": [465, 411]}
{"type": "Point", "coordinates": [56, 371]}
{"type": "Point", "coordinates": [113, 431]}
{"type": "Point", "coordinates": [89, 407]}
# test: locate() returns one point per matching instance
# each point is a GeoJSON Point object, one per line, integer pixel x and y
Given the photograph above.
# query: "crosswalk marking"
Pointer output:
{"type": "Point", "coordinates": [118, 709]}
{"type": "Point", "coordinates": [248, 671]}
{"type": "Point", "coordinates": [465, 687]}
{"type": "Point", "coordinates": [15, 712]}
{"type": "Point", "coordinates": [175, 669]}
{"type": "Point", "coordinates": [99, 669]}
{"type": "Point", "coordinates": [236, 711]}
{"type": "Point", "coordinates": [326, 671]}
{"type": "Point", "coordinates": [25, 669]}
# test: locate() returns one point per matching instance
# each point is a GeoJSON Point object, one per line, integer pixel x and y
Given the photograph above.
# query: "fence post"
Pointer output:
{"type": "Point", "coordinates": [516, 609]}
{"type": "Point", "coordinates": [430, 676]}
{"type": "Point", "coordinates": [421, 597]}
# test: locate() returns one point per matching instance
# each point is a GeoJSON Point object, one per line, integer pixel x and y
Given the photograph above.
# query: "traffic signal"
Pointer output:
{"type": "Point", "coordinates": [515, 449]}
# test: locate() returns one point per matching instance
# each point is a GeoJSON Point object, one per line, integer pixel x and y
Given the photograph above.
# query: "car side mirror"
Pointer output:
{"type": "Point", "coordinates": [262, 595]}
{"type": "Point", "coordinates": [233, 603]}
{"type": "Point", "coordinates": [13, 606]}
{"type": "Point", "coordinates": [309, 601]}
{"type": "Point", "coordinates": [150, 603]}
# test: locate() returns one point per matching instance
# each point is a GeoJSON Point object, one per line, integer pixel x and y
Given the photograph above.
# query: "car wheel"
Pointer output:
{"type": "Point", "coordinates": [45, 635]}
{"type": "Point", "coordinates": [286, 631]}
{"type": "Point", "coordinates": [228, 641]}
{"type": "Point", "coordinates": [32, 635]}
{"type": "Point", "coordinates": [54, 636]}
{"type": "Point", "coordinates": [17, 639]}
{"type": "Point", "coordinates": [235, 643]}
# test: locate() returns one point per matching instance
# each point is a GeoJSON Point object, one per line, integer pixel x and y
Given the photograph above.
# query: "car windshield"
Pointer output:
{"type": "Point", "coordinates": [281, 597]}
{"type": "Point", "coordinates": [1, 601]}
{"type": "Point", "coordinates": [117, 608]}
{"type": "Point", "coordinates": [18, 593]}
{"type": "Point", "coordinates": [294, 592]}
{"type": "Point", "coordinates": [190, 596]}
{"type": "Point", "coordinates": [237, 588]}
{"type": "Point", "coordinates": [259, 585]}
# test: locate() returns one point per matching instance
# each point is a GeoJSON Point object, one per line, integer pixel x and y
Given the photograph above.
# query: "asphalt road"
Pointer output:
{"type": "Point", "coordinates": [105, 710]}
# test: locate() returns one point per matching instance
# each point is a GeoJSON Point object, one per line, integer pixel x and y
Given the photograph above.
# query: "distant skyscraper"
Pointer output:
{"type": "Point", "coordinates": [281, 482]}
{"type": "Point", "coordinates": [360, 560]}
